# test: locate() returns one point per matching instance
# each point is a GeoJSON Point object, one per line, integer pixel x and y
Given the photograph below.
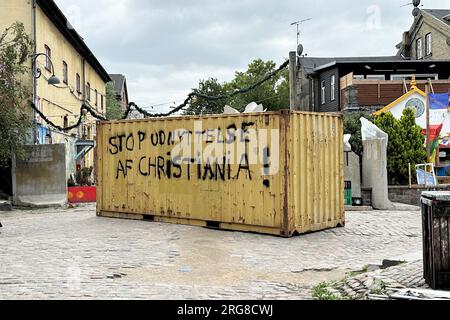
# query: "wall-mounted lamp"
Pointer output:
{"type": "Point", "coordinates": [432, 66]}
{"type": "Point", "coordinates": [367, 67]}
{"type": "Point", "coordinates": [53, 80]}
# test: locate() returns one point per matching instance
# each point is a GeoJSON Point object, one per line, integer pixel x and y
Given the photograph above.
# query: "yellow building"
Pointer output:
{"type": "Point", "coordinates": [82, 78]}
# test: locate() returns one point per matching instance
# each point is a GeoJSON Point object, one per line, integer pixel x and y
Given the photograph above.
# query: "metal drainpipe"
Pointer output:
{"type": "Point", "coordinates": [35, 87]}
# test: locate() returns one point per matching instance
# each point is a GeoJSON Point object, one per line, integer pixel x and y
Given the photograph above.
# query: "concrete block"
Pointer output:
{"type": "Point", "coordinates": [40, 179]}
{"type": "Point", "coordinates": [352, 172]}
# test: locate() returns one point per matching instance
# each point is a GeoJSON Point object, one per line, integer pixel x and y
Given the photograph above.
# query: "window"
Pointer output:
{"type": "Point", "coordinates": [66, 121]}
{"type": "Point", "coordinates": [101, 98]}
{"type": "Point", "coordinates": [428, 44]}
{"type": "Point", "coordinates": [333, 88]}
{"type": "Point", "coordinates": [88, 91]}
{"type": "Point", "coordinates": [432, 76]}
{"type": "Point", "coordinates": [78, 83]}
{"type": "Point", "coordinates": [48, 53]}
{"type": "Point", "coordinates": [322, 95]}
{"type": "Point", "coordinates": [419, 49]}
{"type": "Point", "coordinates": [376, 77]}
{"type": "Point", "coordinates": [358, 77]}
{"type": "Point", "coordinates": [96, 97]}
{"type": "Point", "coordinates": [65, 77]}
{"type": "Point", "coordinates": [48, 139]}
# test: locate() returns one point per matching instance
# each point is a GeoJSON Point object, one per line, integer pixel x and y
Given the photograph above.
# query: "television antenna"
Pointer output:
{"type": "Point", "coordinates": [298, 23]}
{"type": "Point", "coordinates": [416, 4]}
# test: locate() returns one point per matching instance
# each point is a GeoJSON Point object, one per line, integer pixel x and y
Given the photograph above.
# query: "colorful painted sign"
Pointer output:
{"type": "Point", "coordinates": [426, 175]}
{"type": "Point", "coordinates": [82, 194]}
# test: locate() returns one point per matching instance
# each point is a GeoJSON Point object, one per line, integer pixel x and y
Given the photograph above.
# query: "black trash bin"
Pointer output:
{"type": "Point", "coordinates": [436, 235]}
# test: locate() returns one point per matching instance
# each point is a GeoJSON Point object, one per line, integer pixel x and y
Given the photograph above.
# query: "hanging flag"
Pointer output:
{"type": "Point", "coordinates": [438, 114]}
{"type": "Point", "coordinates": [439, 101]}
{"type": "Point", "coordinates": [438, 108]}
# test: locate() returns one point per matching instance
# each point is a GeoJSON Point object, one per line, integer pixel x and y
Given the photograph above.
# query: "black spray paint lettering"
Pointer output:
{"type": "Point", "coordinates": [244, 165]}
{"type": "Point", "coordinates": [141, 139]}
{"type": "Point", "coordinates": [160, 167]}
{"type": "Point", "coordinates": [124, 169]}
{"type": "Point", "coordinates": [120, 142]}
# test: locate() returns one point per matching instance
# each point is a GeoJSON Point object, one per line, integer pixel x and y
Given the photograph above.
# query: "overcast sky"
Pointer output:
{"type": "Point", "coordinates": [165, 47]}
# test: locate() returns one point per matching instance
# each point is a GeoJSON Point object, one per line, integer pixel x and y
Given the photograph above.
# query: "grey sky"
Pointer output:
{"type": "Point", "coordinates": [165, 47]}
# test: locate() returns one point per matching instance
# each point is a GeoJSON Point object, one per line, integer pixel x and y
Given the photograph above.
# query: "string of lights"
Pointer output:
{"type": "Point", "coordinates": [85, 108]}
{"type": "Point", "coordinates": [192, 95]}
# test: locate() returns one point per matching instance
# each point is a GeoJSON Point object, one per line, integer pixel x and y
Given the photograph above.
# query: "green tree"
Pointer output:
{"type": "Point", "coordinates": [406, 144]}
{"type": "Point", "coordinates": [113, 110]}
{"type": "Point", "coordinates": [352, 125]}
{"type": "Point", "coordinates": [267, 93]}
{"type": "Point", "coordinates": [273, 94]}
{"type": "Point", "coordinates": [395, 149]}
{"type": "Point", "coordinates": [413, 142]}
{"type": "Point", "coordinates": [210, 87]}
{"type": "Point", "coordinates": [15, 119]}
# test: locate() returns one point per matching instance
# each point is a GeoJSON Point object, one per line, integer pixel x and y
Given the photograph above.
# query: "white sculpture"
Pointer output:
{"type": "Point", "coordinates": [375, 176]}
{"type": "Point", "coordinates": [251, 108]}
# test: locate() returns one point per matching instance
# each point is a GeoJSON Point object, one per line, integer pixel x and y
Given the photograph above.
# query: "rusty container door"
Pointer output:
{"type": "Point", "coordinates": [316, 171]}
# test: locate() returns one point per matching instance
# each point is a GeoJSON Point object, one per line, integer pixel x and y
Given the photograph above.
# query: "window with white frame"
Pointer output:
{"type": "Point", "coordinates": [48, 56]}
{"type": "Point", "coordinates": [322, 95]}
{"type": "Point", "coordinates": [419, 49]}
{"type": "Point", "coordinates": [88, 91]}
{"type": "Point", "coordinates": [376, 77]}
{"type": "Point", "coordinates": [78, 83]}
{"type": "Point", "coordinates": [432, 76]}
{"type": "Point", "coordinates": [333, 88]}
{"type": "Point", "coordinates": [428, 44]}
{"type": "Point", "coordinates": [65, 73]}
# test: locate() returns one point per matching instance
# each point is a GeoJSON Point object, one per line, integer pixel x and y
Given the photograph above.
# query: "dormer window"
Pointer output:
{"type": "Point", "coordinates": [428, 44]}
{"type": "Point", "coordinates": [419, 49]}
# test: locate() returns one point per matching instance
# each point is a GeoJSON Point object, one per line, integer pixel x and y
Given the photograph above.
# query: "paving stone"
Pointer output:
{"type": "Point", "coordinates": [73, 254]}
{"type": "Point", "coordinates": [5, 205]}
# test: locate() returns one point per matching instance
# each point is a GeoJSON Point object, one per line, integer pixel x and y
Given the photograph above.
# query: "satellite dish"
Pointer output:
{"type": "Point", "coordinates": [416, 3]}
{"type": "Point", "coordinates": [416, 12]}
{"type": "Point", "coordinates": [300, 49]}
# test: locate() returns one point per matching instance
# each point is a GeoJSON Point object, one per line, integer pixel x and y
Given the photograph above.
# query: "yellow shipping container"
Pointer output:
{"type": "Point", "coordinates": [277, 173]}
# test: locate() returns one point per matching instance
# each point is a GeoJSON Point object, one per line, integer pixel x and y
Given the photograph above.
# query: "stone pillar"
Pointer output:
{"type": "Point", "coordinates": [375, 165]}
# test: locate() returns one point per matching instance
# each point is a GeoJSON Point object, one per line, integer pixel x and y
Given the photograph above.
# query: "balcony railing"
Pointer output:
{"type": "Point", "coordinates": [380, 93]}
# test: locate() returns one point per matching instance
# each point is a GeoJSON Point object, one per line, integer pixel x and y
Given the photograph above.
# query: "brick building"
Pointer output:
{"type": "Point", "coordinates": [429, 36]}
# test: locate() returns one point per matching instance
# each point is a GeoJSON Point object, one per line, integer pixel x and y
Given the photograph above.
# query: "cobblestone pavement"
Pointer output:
{"type": "Point", "coordinates": [380, 284]}
{"type": "Point", "coordinates": [72, 254]}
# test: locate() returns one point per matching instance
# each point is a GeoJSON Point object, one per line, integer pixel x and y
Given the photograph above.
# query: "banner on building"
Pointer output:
{"type": "Point", "coordinates": [438, 115]}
